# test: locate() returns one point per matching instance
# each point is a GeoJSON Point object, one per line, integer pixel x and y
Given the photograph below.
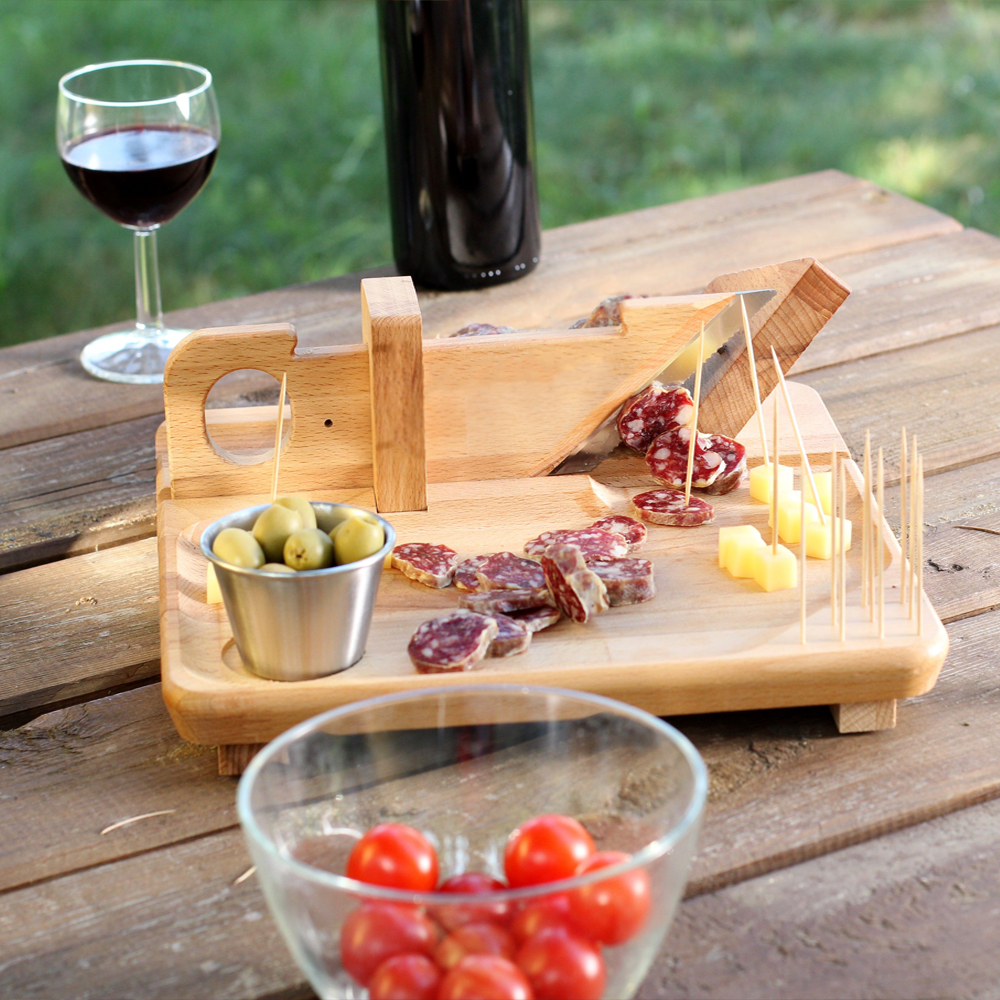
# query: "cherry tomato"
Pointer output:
{"type": "Point", "coordinates": [377, 931]}
{"type": "Point", "coordinates": [396, 855]}
{"type": "Point", "coordinates": [405, 977]}
{"type": "Point", "coordinates": [549, 911]}
{"type": "Point", "coordinates": [613, 910]}
{"type": "Point", "coordinates": [455, 916]}
{"type": "Point", "coordinates": [562, 966]}
{"type": "Point", "coordinates": [544, 849]}
{"type": "Point", "coordinates": [474, 939]}
{"type": "Point", "coordinates": [485, 977]}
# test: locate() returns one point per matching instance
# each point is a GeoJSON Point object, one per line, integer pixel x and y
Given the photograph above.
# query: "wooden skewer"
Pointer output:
{"type": "Point", "coordinates": [277, 437]}
{"type": "Point", "coordinates": [803, 456]}
{"type": "Point", "coordinates": [802, 562]}
{"type": "Point", "coordinates": [753, 378]}
{"type": "Point", "coordinates": [694, 419]}
{"type": "Point", "coordinates": [774, 486]}
{"type": "Point", "coordinates": [918, 529]}
{"type": "Point", "coordinates": [833, 538]}
{"type": "Point", "coordinates": [902, 517]}
{"type": "Point", "coordinates": [842, 529]}
{"type": "Point", "coordinates": [914, 453]}
{"type": "Point", "coordinates": [869, 511]}
{"type": "Point", "coordinates": [880, 547]}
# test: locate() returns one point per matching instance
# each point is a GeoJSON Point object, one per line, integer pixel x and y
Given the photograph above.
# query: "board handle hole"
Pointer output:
{"type": "Point", "coordinates": [246, 437]}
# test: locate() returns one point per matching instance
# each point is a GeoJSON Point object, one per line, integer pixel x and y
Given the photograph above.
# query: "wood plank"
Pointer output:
{"type": "Point", "coordinates": [908, 915]}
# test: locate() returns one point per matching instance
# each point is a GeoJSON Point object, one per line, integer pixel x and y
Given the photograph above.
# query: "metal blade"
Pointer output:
{"type": "Point", "coordinates": [723, 343]}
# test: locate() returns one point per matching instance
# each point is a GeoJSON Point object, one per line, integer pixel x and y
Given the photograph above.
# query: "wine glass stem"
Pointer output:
{"type": "Point", "coordinates": [149, 311]}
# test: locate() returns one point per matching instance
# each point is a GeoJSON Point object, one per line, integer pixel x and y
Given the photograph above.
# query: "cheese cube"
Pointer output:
{"type": "Point", "coordinates": [212, 593]}
{"type": "Point", "coordinates": [740, 555]}
{"type": "Point", "coordinates": [775, 570]}
{"type": "Point", "coordinates": [823, 480]}
{"type": "Point", "coordinates": [818, 538]}
{"type": "Point", "coordinates": [727, 535]}
{"type": "Point", "coordinates": [762, 479]}
{"type": "Point", "coordinates": [789, 512]}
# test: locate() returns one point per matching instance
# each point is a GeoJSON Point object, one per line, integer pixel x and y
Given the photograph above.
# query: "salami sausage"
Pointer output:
{"type": "Point", "coordinates": [667, 459]}
{"type": "Point", "coordinates": [433, 565]}
{"type": "Point", "coordinates": [504, 601]}
{"type": "Point", "coordinates": [579, 593]}
{"type": "Point", "coordinates": [465, 573]}
{"type": "Point", "coordinates": [734, 463]}
{"type": "Point", "coordinates": [512, 637]}
{"type": "Point", "coordinates": [668, 507]}
{"type": "Point", "coordinates": [654, 410]}
{"type": "Point", "coordinates": [633, 531]}
{"type": "Point", "coordinates": [481, 330]}
{"type": "Point", "coordinates": [535, 619]}
{"type": "Point", "coordinates": [506, 571]}
{"type": "Point", "coordinates": [456, 641]}
{"type": "Point", "coordinates": [594, 543]}
{"type": "Point", "coordinates": [628, 581]}
{"type": "Point", "coordinates": [608, 313]}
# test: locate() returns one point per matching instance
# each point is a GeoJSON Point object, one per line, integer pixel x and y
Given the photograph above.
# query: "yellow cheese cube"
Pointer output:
{"type": "Point", "coordinates": [212, 593]}
{"type": "Point", "coordinates": [789, 512]}
{"type": "Point", "coordinates": [818, 538]}
{"type": "Point", "coordinates": [739, 557]}
{"type": "Point", "coordinates": [762, 478]}
{"type": "Point", "coordinates": [775, 570]}
{"type": "Point", "coordinates": [823, 489]}
{"type": "Point", "coordinates": [728, 534]}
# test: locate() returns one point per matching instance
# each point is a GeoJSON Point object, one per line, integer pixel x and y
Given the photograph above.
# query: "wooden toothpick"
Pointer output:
{"type": "Point", "coordinates": [277, 437]}
{"type": "Point", "coordinates": [802, 561]}
{"type": "Point", "coordinates": [914, 459]}
{"type": "Point", "coordinates": [842, 556]}
{"type": "Point", "coordinates": [774, 486]}
{"type": "Point", "coordinates": [753, 379]}
{"type": "Point", "coordinates": [918, 528]}
{"type": "Point", "coordinates": [880, 547]}
{"type": "Point", "coordinates": [866, 522]}
{"type": "Point", "coordinates": [902, 517]}
{"type": "Point", "coordinates": [833, 537]}
{"type": "Point", "coordinates": [694, 419]}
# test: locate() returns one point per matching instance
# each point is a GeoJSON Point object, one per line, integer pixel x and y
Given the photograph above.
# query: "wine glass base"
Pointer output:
{"type": "Point", "coordinates": [134, 356]}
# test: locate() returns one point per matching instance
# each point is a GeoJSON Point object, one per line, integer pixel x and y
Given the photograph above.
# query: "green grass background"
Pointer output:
{"type": "Point", "coordinates": [637, 103]}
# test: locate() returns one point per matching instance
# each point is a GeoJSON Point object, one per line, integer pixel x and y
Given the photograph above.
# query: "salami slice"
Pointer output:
{"type": "Point", "coordinates": [535, 619]}
{"type": "Point", "coordinates": [633, 531]}
{"type": "Point", "coordinates": [456, 641]}
{"type": "Point", "coordinates": [504, 601]}
{"type": "Point", "coordinates": [465, 573]}
{"type": "Point", "coordinates": [608, 313]}
{"type": "Point", "coordinates": [654, 410]}
{"type": "Point", "coordinates": [506, 571]}
{"type": "Point", "coordinates": [433, 565]}
{"type": "Point", "coordinates": [667, 459]}
{"type": "Point", "coordinates": [734, 463]}
{"type": "Point", "coordinates": [668, 507]}
{"type": "Point", "coordinates": [482, 330]}
{"type": "Point", "coordinates": [594, 543]}
{"type": "Point", "coordinates": [512, 637]}
{"type": "Point", "coordinates": [579, 592]}
{"type": "Point", "coordinates": [628, 581]}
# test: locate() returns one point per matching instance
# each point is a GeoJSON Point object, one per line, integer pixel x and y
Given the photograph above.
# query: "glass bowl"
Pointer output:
{"type": "Point", "coordinates": [466, 765]}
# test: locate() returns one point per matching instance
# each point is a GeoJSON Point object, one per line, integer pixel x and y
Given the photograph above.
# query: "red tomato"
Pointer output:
{"type": "Point", "coordinates": [377, 931]}
{"type": "Point", "coordinates": [613, 910]}
{"type": "Point", "coordinates": [549, 911]}
{"type": "Point", "coordinates": [395, 855]}
{"type": "Point", "coordinates": [405, 977]}
{"type": "Point", "coordinates": [544, 849]}
{"type": "Point", "coordinates": [485, 977]}
{"type": "Point", "coordinates": [562, 966]}
{"type": "Point", "coordinates": [467, 913]}
{"type": "Point", "coordinates": [474, 939]}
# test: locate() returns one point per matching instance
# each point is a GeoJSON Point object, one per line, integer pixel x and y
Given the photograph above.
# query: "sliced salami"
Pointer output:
{"type": "Point", "coordinates": [627, 581]}
{"type": "Point", "coordinates": [535, 619]}
{"type": "Point", "coordinates": [504, 601]}
{"type": "Point", "coordinates": [654, 410]}
{"type": "Point", "coordinates": [465, 573]}
{"type": "Point", "coordinates": [578, 591]}
{"type": "Point", "coordinates": [512, 637]}
{"type": "Point", "coordinates": [608, 313]}
{"type": "Point", "coordinates": [594, 543]}
{"type": "Point", "coordinates": [668, 507]}
{"type": "Point", "coordinates": [433, 565]}
{"type": "Point", "coordinates": [734, 463]}
{"type": "Point", "coordinates": [506, 571]}
{"type": "Point", "coordinates": [633, 531]}
{"type": "Point", "coordinates": [667, 459]}
{"type": "Point", "coordinates": [482, 330]}
{"type": "Point", "coordinates": [456, 641]}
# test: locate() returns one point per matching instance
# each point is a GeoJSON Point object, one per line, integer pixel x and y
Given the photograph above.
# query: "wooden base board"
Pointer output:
{"type": "Point", "coordinates": [234, 758]}
{"type": "Point", "coordinates": [865, 716]}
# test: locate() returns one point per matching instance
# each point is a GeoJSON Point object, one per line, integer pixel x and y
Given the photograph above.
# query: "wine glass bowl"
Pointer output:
{"type": "Point", "coordinates": [138, 139]}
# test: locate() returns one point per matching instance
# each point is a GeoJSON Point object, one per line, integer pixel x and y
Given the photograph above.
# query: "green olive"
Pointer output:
{"type": "Point", "coordinates": [303, 506]}
{"type": "Point", "coordinates": [309, 548]}
{"type": "Point", "coordinates": [357, 538]}
{"type": "Point", "coordinates": [273, 527]}
{"type": "Point", "coordinates": [336, 517]}
{"type": "Point", "coordinates": [239, 547]}
{"type": "Point", "coordinates": [278, 568]}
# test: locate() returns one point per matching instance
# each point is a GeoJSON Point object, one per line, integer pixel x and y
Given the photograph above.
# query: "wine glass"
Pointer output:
{"type": "Point", "coordinates": [138, 138]}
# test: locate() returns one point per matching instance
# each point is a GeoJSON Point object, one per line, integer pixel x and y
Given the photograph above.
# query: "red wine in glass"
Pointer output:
{"type": "Point", "coordinates": [141, 177]}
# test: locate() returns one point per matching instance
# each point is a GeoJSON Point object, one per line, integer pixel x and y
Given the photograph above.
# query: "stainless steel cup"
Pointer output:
{"type": "Point", "coordinates": [296, 627]}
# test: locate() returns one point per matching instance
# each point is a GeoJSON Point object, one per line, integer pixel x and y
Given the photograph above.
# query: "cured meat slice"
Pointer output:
{"type": "Point", "coordinates": [608, 313]}
{"type": "Point", "coordinates": [512, 637]}
{"type": "Point", "coordinates": [433, 565]}
{"type": "Point", "coordinates": [465, 573]}
{"type": "Point", "coordinates": [504, 601]}
{"type": "Point", "coordinates": [628, 581]}
{"type": "Point", "coordinates": [667, 459]}
{"type": "Point", "coordinates": [734, 463]}
{"type": "Point", "coordinates": [633, 531]}
{"type": "Point", "coordinates": [482, 330]}
{"type": "Point", "coordinates": [456, 641]}
{"type": "Point", "coordinates": [654, 410]}
{"type": "Point", "coordinates": [579, 592]}
{"type": "Point", "coordinates": [506, 571]}
{"type": "Point", "coordinates": [668, 507]}
{"type": "Point", "coordinates": [535, 619]}
{"type": "Point", "coordinates": [594, 543]}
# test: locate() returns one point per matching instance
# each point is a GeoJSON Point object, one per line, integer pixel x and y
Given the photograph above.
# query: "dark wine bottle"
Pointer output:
{"type": "Point", "coordinates": [456, 91]}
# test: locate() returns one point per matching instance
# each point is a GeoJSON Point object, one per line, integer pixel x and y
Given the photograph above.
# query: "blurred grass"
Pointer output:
{"type": "Point", "coordinates": [637, 103]}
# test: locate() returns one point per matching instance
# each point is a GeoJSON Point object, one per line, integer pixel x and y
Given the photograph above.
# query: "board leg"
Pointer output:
{"type": "Point", "coordinates": [865, 716]}
{"type": "Point", "coordinates": [233, 759]}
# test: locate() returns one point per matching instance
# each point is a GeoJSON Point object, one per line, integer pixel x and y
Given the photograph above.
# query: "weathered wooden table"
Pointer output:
{"type": "Point", "coordinates": [830, 866]}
